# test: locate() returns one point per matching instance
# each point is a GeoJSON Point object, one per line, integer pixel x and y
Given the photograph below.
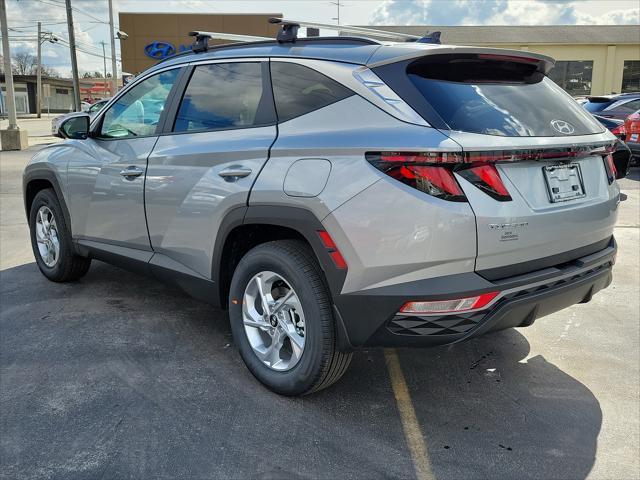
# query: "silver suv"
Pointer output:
{"type": "Point", "coordinates": [339, 192]}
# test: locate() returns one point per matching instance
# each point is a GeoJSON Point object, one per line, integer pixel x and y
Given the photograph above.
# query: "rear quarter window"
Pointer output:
{"type": "Point", "coordinates": [298, 90]}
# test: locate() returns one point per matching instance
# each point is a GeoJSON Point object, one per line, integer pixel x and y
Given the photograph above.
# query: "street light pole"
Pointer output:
{"type": "Point", "coordinates": [104, 61]}
{"type": "Point", "coordinates": [74, 60]}
{"type": "Point", "coordinates": [39, 73]}
{"type": "Point", "coordinates": [8, 74]}
{"type": "Point", "coordinates": [114, 71]}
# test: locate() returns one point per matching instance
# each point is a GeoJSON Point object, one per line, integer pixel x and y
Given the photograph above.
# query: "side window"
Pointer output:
{"type": "Point", "coordinates": [222, 96]}
{"type": "Point", "coordinates": [138, 111]}
{"type": "Point", "coordinates": [299, 90]}
{"type": "Point", "coordinates": [631, 106]}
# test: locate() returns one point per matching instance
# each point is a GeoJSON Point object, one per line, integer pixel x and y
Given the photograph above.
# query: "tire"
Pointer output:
{"type": "Point", "coordinates": [66, 265]}
{"type": "Point", "coordinates": [320, 364]}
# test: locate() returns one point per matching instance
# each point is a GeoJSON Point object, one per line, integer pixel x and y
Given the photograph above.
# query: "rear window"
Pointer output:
{"type": "Point", "coordinates": [498, 96]}
{"type": "Point", "coordinates": [597, 104]}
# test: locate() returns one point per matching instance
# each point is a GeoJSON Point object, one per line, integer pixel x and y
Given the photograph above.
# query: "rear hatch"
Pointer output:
{"type": "Point", "coordinates": [535, 166]}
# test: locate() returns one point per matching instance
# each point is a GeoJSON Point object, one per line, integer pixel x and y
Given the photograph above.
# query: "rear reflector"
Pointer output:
{"type": "Point", "coordinates": [334, 253]}
{"type": "Point", "coordinates": [450, 306]}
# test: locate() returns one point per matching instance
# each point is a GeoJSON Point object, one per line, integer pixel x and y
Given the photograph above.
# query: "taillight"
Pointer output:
{"type": "Point", "coordinates": [433, 172]}
{"type": "Point", "coordinates": [619, 131]}
{"type": "Point", "coordinates": [449, 306]}
{"type": "Point", "coordinates": [423, 171]}
{"type": "Point", "coordinates": [487, 178]}
{"type": "Point", "coordinates": [610, 168]}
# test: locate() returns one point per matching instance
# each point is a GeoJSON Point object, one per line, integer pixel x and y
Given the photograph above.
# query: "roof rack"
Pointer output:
{"type": "Point", "coordinates": [201, 43]}
{"type": "Point", "coordinates": [289, 30]}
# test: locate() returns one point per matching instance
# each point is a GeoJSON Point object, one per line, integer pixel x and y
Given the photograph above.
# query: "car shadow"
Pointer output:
{"type": "Point", "coordinates": [118, 376]}
{"type": "Point", "coordinates": [490, 410]}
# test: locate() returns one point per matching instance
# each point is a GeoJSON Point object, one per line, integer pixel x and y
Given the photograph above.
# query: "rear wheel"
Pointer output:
{"type": "Point", "coordinates": [282, 320]}
{"type": "Point", "coordinates": [51, 240]}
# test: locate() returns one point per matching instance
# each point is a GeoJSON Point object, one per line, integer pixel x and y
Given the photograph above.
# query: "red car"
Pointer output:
{"type": "Point", "coordinates": [632, 130]}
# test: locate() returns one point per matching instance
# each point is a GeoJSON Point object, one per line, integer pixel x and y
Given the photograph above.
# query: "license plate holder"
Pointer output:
{"type": "Point", "coordinates": [564, 182]}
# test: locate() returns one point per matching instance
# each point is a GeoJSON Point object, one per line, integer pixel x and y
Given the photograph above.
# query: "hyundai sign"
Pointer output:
{"type": "Point", "coordinates": [162, 50]}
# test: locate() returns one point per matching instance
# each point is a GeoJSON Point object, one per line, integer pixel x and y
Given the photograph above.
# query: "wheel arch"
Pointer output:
{"type": "Point", "coordinates": [246, 227]}
{"type": "Point", "coordinates": [37, 179]}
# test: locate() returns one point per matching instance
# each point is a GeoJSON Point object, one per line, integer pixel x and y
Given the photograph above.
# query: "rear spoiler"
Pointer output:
{"type": "Point", "coordinates": [415, 50]}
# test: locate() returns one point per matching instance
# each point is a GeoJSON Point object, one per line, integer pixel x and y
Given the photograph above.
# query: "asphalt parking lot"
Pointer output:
{"type": "Point", "coordinates": [117, 376]}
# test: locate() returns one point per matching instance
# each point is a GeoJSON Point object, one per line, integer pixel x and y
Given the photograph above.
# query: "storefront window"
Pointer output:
{"type": "Point", "coordinates": [631, 76]}
{"type": "Point", "coordinates": [573, 75]}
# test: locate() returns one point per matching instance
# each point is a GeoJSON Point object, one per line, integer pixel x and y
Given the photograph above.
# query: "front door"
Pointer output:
{"type": "Point", "coordinates": [106, 177]}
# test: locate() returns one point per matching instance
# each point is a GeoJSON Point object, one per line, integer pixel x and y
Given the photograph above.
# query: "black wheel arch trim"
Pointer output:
{"type": "Point", "coordinates": [300, 220]}
{"type": "Point", "coordinates": [39, 174]}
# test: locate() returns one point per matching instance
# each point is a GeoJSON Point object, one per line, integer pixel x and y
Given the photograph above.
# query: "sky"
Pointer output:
{"type": "Point", "coordinates": [91, 18]}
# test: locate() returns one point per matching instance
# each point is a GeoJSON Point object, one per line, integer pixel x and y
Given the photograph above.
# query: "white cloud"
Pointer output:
{"type": "Point", "coordinates": [496, 12]}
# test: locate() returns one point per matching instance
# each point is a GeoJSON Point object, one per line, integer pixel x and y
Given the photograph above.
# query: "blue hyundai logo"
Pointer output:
{"type": "Point", "coordinates": [159, 50]}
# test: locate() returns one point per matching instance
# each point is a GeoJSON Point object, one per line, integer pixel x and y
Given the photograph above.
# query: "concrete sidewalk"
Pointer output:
{"type": "Point", "coordinates": [39, 129]}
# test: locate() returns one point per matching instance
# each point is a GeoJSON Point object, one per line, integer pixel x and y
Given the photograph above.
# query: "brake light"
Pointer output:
{"type": "Point", "coordinates": [450, 306]}
{"type": "Point", "coordinates": [487, 178]}
{"type": "Point", "coordinates": [619, 130]}
{"type": "Point", "coordinates": [334, 253]}
{"type": "Point", "coordinates": [610, 168]}
{"type": "Point", "coordinates": [432, 172]}
{"type": "Point", "coordinates": [426, 172]}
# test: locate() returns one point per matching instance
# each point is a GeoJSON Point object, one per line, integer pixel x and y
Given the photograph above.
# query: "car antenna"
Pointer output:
{"type": "Point", "coordinates": [289, 30]}
{"type": "Point", "coordinates": [201, 43]}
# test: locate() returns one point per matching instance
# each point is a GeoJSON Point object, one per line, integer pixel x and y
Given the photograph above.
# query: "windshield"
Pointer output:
{"type": "Point", "coordinates": [497, 97]}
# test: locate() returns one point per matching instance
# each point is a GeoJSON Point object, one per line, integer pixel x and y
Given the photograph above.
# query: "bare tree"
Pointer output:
{"type": "Point", "coordinates": [24, 64]}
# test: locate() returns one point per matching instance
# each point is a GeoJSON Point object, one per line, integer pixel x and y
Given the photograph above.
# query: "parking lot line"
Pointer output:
{"type": "Point", "coordinates": [410, 425]}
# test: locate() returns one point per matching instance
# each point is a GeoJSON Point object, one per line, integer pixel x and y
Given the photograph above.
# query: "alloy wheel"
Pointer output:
{"type": "Point", "coordinates": [274, 321]}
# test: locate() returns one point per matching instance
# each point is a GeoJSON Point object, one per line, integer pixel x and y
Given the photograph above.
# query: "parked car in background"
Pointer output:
{"type": "Point", "coordinates": [614, 125]}
{"type": "Point", "coordinates": [92, 110]}
{"type": "Point", "coordinates": [340, 194]}
{"type": "Point", "coordinates": [621, 155]}
{"type": "Point", "coordinates": [632, 128]}
{"type": "Point", "coordinates": [618, 106]}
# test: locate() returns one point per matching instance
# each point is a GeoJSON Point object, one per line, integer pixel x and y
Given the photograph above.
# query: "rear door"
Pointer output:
{"type": "Point", "coordinates": [534, 167]}
{"type": "Point", "coordinates": [205, 163]}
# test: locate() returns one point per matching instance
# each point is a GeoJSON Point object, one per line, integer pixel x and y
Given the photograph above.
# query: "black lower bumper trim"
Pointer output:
{"type": "Point", "coordinates": [372, 319]}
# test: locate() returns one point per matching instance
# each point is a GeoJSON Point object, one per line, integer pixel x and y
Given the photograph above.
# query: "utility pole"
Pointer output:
{"type": "Point", "coordinates": [10, 100]}
{"type": "Point", "coordinates": [337, 4]}
{"type": "Point", "coordinates": [104, 61]}
{"type": "Point", "coordinates": [74, 60]}
{"type": "Point", "coordinates": [114, 68]}
{"type": "Point", "coordinates": [39, 73]}
{"type": "Point", "coordinates": [13, 138]}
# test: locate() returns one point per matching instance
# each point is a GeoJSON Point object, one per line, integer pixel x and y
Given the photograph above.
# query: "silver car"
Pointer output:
{"type": "Point", "coordinates": [92, 110]}
{"type": "Point", "coordinates": [335, 193]}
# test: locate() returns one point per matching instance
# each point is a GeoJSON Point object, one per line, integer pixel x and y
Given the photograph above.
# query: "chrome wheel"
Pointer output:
{"type": "Point", "coordinates": [273, 321]}
{"type": "Point", "coordinates": [47, 236]}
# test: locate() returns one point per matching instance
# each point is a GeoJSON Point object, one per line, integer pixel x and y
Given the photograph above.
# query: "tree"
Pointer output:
{"type": "Point", "coordinates": [48, 72]}
{"type": "Point", "coordinates": [24, 64]}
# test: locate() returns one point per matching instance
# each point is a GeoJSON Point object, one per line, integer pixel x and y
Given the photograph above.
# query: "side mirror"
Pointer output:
{"type": "Point", "coordinates": [76, 127]}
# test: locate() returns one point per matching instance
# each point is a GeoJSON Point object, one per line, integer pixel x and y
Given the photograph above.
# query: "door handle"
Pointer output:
{"type": "Point", "coordinates": [233, 173]}
{"type": "Point", "coordinates": [131, 172]}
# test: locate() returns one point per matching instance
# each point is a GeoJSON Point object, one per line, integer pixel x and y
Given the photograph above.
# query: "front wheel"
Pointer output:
{"type": "Point", "coordinates": [282, 320]}
{"type": "Point", "coordinates": [51, 241]}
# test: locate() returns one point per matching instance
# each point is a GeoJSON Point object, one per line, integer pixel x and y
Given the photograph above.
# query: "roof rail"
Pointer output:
{"type": "Point", "coordinates": [289, 30]}
{"type": "Point", "coordinates": [201, 43]}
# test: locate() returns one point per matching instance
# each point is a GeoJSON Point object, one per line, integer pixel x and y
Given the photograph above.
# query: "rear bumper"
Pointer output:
{"type": "Point", "coordinates": [371, 318]}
